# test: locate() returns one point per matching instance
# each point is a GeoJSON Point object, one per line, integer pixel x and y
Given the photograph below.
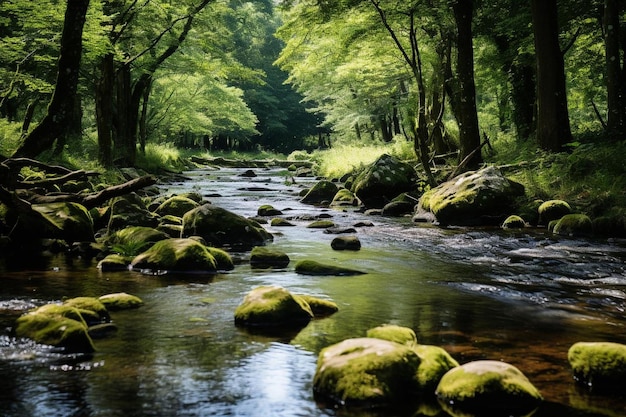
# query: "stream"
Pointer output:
{"type": "Point", "coordinates": [522, 297]}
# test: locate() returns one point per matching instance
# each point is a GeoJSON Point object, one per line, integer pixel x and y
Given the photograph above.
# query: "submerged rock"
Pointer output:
{"type": "Point", "coordinates": [268, 210]}
{"type": "Point", "coordinates": [483, 197]}
{"type": "Point", "coordinates": [346, 243]}
{"type": "Point", "coordinates": [322, 192]}
{"type": "Point", "coordinates": [262, 257]}
{"type": "Point", "coordinates": [220, 227]}
{"type": "Point", "coordinates": [272, 306]}
{"type": "Point", "coordinates": [120, 301]}
{"type": "Point", "coordinates": [598, 365]}
{"type": "Point", "coordinates": [184, 255]}
{"type": "Point", "coordinates": [488, 386]}
{"type": "Point", "coordinates": [308, 267]}
{"type": "Point", "coordinates": [319, 306]}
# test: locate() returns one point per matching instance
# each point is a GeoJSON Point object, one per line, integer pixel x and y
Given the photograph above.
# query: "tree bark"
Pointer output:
{"type": "Point", "coordinates": [616, 113]}
{"type": "Point", "coordinates": [553, 127]}
{"type": "Point", "coordinates": [104, 110]}
{"type": "Point", "coordinates": [469, 131]}
{"type": "Point", "coordinates": [61, 105]}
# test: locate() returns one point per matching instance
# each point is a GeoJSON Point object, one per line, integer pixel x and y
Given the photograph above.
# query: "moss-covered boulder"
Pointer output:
{"type": "Point", "coordinates": [131, 210]}
{"type": "Point", "coordinates": [436, 362]}
{"type": "Point", "coordinates": [346, 243]}
{"type": "Point", "coordinates": [309, 267]}
{"type": "Point", "coordinates": [271, 307]}
{"type": "Point", "coordinates": [114, 262]}
{"type": "Point", "coordinates": [70, 222]}
{"type": "Point", "coordinates": [488, 386]}
{"type": "Point", "coordinates": [513, 222]}
{"type": "Point", "coordinates": [120, 301]}
{"type": "Point", "coordinates": [598, 365]}
{"type": "Point", "coordinates": [176, 206]}
{"type": "Point", "coordinates": [574, 225]}
{"type": "Point", "coordinates": [223, 260]}
{"type": "Point", "coordinates": [393, 333]}
{"type": "Point", "coordinates": [367, 372]}
{"type": "Point", "coordinates": [321, 224]}
{"type": "Point", "coordinates": [552, 210]}
{"type": "Point", "coordinates": [380, 182]}
{"type": "Point", "coordinates": [268, 210]}
{"type": "Point", "coordinates": [55, 325]}
{"type": "Point", "coordinates": [101, 314]}
{"type": "Point", "coordinates": [181, 255]}
{"type": "Point", "coordinates": [280, 222]}
{"type": "Point", "coordinates": [263, 257]}
{"type": "Point", "coordinates": [398, 208]}
{"type": "Point", "coordinates": [134, 239]}
{"type": "Point", "coordinates": [220, 227]}
{"type": "Point", "coordinates": [322, 192]}
{"type": "Point", "coordinates": [319, 306]}
{"type": "Point", "coordinates": [484, 197]}
{"type": "Point", "coordinates": [344, 197]}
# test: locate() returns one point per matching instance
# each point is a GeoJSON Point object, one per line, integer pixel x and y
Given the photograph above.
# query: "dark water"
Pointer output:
{"type": "Point", "coordinates": [481, 294]}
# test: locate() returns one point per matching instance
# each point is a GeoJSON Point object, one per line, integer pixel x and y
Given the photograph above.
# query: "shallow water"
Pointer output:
{"type": "Point", "coordinates": [481, 294]}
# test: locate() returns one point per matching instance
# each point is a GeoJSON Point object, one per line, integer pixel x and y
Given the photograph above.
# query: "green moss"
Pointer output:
{"type": "Point", "coordinates": [279, 222]}
{"type": "Point", "coordinates": [393, 333]}
{"type": "Point", "coordinates": [268, 210]}
{"type": "Point", "coordinates": [598, 364]}
{"type": "Point", "coordinates": [574, 225]}
{"type": "Point", "coordinates": [344, 197]}
{"type": "Point", "coordinates": [223, 260]}
{"type": "Point", "coordinates": [114, 262]}
{"type": "Point", "coordinates": [553, 210]}
{"type": "Point", "coordinates": [308, 267]}
{"type": "Point", "coordinates": [319, 306]}
{"type": "Point", "coordinates": [263, 257]}
{"type": "Point", "coordinates": [89, 304]}
{"type": "Point", "coordinates": [133, 240]}
{"type": "Point", "coordinates": [272, 306]}
{"type": "Point", "coordinates": [321, 224]}
{"type": "Point", "coordinates": [176, 255]}
{"type": "Point", "coordinates": [176, 206]}
{"type": "Point", "coordinates": [514, 222]}
{"type": "Point", "coordinates": [120, 301]}
{"type": "Point", "coordinates": [322, 191]}
{"type": "Point", "coordinates": [435, 363]}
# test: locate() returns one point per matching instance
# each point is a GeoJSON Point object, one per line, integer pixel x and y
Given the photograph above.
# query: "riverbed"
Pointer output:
{"type": "Point", "coordinates": [522, 297]}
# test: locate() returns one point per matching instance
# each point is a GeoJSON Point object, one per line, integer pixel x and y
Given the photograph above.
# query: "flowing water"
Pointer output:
{"type": "Point", "coordinates": [522, 297]}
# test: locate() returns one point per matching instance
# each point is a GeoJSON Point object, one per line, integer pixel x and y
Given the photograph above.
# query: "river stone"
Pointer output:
{"type": "Point", "coordinates": [475, 198]}
{"type": "Point", "coordinates": [130, 210]}
{"type": "Point", "coordinates": [176, 255]}
{"type": "Point", "coordinates": [322, 192]}
{"type": "Point", "coordinates": [220, 227]}
{"type": "Point", "coordinates": [393, 333]}
{"type": "Point", "coordinates": [346, 243]}
{"type": "Point", "coordinates": [134, 239]}
{"type": "Point", "coordinates": [223, 261]}
{"type": "Point", "coordinates": [598, 365]}
{"type": "Point", "coordinates": [272, 306]}
{"type": "Point", "coordinates": [367, 372]}
{"type": "Point", "coordinates": [573, 225]}
{"type": "Point", "coordinates": [90, 304]}
{"type": "Point", "coordinates": [552, 210]}
{"type": "Point", "coordinates": [70, 222]}
{"type": "Point", "coordinates": [262, 257]}
{"type": "Point", "coordinates": [176, 206]}
{"type": "Point", "coordinates": [380, 182]}
{"type": "Point", "coordinates": [280, 222]}
{"type": "Point", "coordinates": [513, 222]}
{"type": "Point", "coordinates": [344, 197]}
{"type": "Point", "coordinates": [268, 210]}
{"type": "Point", "coordinates": [319, 306]}
{"type": "Point", "coordinates": [120, 301]}
{"type": "Point", "coordinates": [482, 386]}
{"type": "Point", "coordinates": [321, 224]}
{"type": "Point", "coordinates": [308, 267]}
{"type": "Point", "coordinates": [398, 208]}
{"type": "Point", "coordinates": [55, 325]}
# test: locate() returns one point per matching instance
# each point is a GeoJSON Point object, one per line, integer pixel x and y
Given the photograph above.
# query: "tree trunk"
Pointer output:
{"type": "Point", "coordinates": [553, 128]}
{"type": "Point", "coordinates": [104, 110]}
{"type": "Point", "coordinates": [615, 122]}
{"type": "Point", "coordinates": [523, 96]}
{"type": "Point", "coordinates": [468, 118]}
{"type": "Point", "coordinates": [125, 125]}
{"type": "Point", "coordinates": [61, 105]}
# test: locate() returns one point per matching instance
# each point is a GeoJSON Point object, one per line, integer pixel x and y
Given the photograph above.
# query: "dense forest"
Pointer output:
{"type": "Point", "coordinates": [109, 77]}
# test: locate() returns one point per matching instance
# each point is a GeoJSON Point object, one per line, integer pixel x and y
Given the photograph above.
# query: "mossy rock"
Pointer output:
{"type": "Point", "coordinates": [322, 192]}
{"type": "Point", "coordinates": [70, 222]}
{"type": "Point", "coordinates": [366, 372]}
{"type": "Point", "coordinates": [59, 326]}
{"type": "Point", "coordinates": [309, 267]}
{"type": "Point", "coordinates": [321, 224]}
{"type": "Point", "coordinates": [493, 386]}
{"type": "Point", "coordinates": [262, 257]}
{"type": "Point", "coordinates": [393, 333]}
{"type": "Point", "coordinates": [223, 261]}
{"type": "Point", "coordinates": [181, 255]}
{"type": "Point", "coordinates": [131, 210]}
{"type": "Point", "coordinates": [271, 307]}
{"type": "Point", "coordinates": [220, 227]}
{"type": "Point", "coordinates": [90, 304]}
{"type": "Point", "coordinates": [598, 365]}
{"type": "Point", "coordinates": [171, 219]}
{"type": "Point", "coordinates": [280, 222]}
{"type": "Point", "coordinates": [192, 195]}
{"type": "Point", "coordinates": [436, 362]}
{"type": "Point", "coordinates": [398, 208]}
{"type": "Point", "coordinates": [120, 301]}
{"type": "Point", "coordinates": [346, 243]}
{"type": "Point", "coordinates": [514, 222]}
{"type": "Point", "coordinates": [344, 197]}
{"type": "Point", "coordinates": [114, 262]}
{"type": "Point", "coordinates": [553, 210]}
{"type": "Point", "coordinates": [268, 210]}
{"type": "Point", "coordinates": [134, 239]}
{"type": "Point", "coordinates": [574, 225]}
{"type": "Point", "coordinates": [319, 306]}
{"type": "Point", "coordinates": [176, 206]}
